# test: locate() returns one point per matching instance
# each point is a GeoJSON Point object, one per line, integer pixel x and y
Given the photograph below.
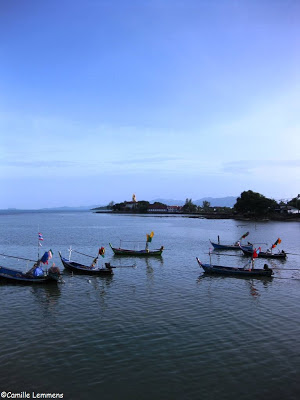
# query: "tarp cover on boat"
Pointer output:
{"type": "Point", "coordinates": [38, 272]}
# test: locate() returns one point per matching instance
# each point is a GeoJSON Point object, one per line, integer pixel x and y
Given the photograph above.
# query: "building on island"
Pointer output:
{"type": "Point", "coordinates": [131, 204]}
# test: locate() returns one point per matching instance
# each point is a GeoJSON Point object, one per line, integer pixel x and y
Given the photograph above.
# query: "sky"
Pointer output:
{"type": "Point", "coordinates": [172, 99]}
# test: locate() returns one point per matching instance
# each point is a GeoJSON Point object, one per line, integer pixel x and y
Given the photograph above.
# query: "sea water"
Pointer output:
{"type": "Point", "coordinates": [161, 330]}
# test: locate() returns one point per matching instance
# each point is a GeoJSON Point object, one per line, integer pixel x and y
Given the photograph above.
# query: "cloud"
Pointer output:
{"type": "Point", "coordinates": [38, 164]}
{"type": "Point", "coordinates": [248, 166]}
{"type": "Point", "coordinates": [147, 160]}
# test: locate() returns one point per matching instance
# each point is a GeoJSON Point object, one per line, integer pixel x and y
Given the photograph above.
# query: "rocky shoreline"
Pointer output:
{"type": "Point", "coordinates": [216, 215]}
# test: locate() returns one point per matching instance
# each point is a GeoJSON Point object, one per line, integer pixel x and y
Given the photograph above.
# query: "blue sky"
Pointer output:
{"type": "Point", "coordinates": [164, 99]}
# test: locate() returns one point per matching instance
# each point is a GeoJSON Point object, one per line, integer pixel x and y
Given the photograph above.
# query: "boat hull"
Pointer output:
{"type": "Point", "coordinates": [222, 270]}
{"type": "Point", "coordinates": [137, 253]}
{"type": "Point", "coordinates": [12, 275]}
{"type": "Point", "coordinates": [263, 254]}
{"type": "Point", "coordinates": [218, 246]}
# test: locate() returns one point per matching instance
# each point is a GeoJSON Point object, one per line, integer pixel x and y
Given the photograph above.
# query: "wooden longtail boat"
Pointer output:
{"type": "Point", "coordinates": [264, 254]}
{"type": "Point", "coordinates": [36, 274]}
{"type": "Point", "coordinates": [235, 271]}
{"type": "Point", "coordinates": [219, 246]}
{"type": "Point", "coordinates": [85, 269]}
{"type": "Point", "coordinates": [235, 246]}
{"type": "Point", "coordinates": [14, 275]}
{"type": "Point", "coordinates": [137, 253]}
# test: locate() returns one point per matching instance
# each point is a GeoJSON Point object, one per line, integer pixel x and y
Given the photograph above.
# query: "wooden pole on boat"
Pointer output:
{"type": "Point", "coordinates": [38, 243]}
{"type": "Point", "coordinates": [70, 252]}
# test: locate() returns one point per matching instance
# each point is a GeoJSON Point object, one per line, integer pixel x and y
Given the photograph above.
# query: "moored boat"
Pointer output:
{"type": "Point", "coordinates": [219, 246]}
{"type": "Point", "coordinates": [234, 246]}
{"type": "Point", "coordinates": [18, 276]}
{"type": "Point", "coordinates": [264, 254]}
{"type": "Point", "coordinates": [139, 253]}
{"type": "Point", "coordinates": [86, 269]}
{"type": "Point", "coordinates": [235, 271]}
{"type": "Point", "coordinates": [36, 274]}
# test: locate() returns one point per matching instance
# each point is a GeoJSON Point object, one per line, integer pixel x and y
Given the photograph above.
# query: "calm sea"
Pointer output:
{"type": "Point", "coordinates": [161, 330]}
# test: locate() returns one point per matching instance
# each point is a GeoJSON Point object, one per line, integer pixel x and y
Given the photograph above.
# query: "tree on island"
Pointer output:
{"type": "Point", "coordinates": [253, 203]}
{"type": "Point", "coordinates": [295, 202]}
{"type": "Point", "coordinates": [142, 206]}
{"type": "Point", "coordinates": [206, 205]}
{"type": "Point", "coordinates": [138, 207]}
{"type": "Point", "coordinates": [189, 206]}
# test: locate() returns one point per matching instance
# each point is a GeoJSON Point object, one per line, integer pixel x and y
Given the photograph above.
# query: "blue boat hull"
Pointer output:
{"type": "Point", "coordinates": [222, 270]}
{"type": "Point", "coordinates": [264, 254]}
{"type": "Point", "coordinates": [218, 246]}
{"type": "Point", "coordinates": [83, 269]}
{"type": "Point", "coordinates": [13, 275]}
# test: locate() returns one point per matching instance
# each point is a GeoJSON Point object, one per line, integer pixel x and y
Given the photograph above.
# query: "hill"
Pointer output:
{"type": "Point", "coordinates": [228, 201]}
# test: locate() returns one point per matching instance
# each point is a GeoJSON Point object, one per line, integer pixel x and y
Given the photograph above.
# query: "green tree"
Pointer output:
{"type": "Point", "coordinates": [142, 206]}
{"type": "Point", "coordinates": [118, 207]}
{"type": "Point", "coordinates": [189, 206]}
{"type": "Point", "coordinates": [254, 204]}
{"type": "Point", "coordinates": [206, 205]}
{"type": "Point", "coordinates": [295, 202]}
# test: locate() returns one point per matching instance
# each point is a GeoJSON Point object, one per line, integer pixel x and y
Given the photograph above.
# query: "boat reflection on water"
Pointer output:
{"type": "Point", "coordinates": [101, 287]}
{"type": "Point", "coordinates": [252, 282]}
{"type": "Point", "coordinates": [47, 296]}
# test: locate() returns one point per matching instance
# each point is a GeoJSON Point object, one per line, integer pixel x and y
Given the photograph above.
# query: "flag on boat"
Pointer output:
{"type": "Point", "coordinates": [47, 256]}
{"type": "Point", "coordinates": [278, 241]}
{"type": "Point", "coordinates": [102, 251]}
{"type": "Point", "coordinates": [40, 236]}
{"type": "Point", "coordinates": [149, 237]}
{"type": "Point", "coordinates": [256, 252]}
{"type": "Point", "coordinates": [245, 235]}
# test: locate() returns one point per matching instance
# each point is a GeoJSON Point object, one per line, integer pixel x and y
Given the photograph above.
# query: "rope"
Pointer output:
{"type": "Point", "coordinates": [19, 258]}
{"type": "Point", "coordinates": [294, 279]}
{"type": "Point", "coordinates": [83, 254]}
{"type": "Point", "coordinates": [228, 255]}
{"type": "Point", "coordinates": [132, 241]}
{"type": "Point", "coordinates": [286, 269]}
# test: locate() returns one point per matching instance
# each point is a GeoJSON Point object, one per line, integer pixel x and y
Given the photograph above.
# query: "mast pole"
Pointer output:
{"type": "Point", "coordinates": [38, 243]}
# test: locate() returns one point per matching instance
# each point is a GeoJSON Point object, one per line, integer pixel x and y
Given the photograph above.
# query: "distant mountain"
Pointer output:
{"type": "Point", "coordinates": [169, 202]}
{"type": "Point", "coordinates": [66, 208]}
{"type": "Point", "coordinates": [228, 201]}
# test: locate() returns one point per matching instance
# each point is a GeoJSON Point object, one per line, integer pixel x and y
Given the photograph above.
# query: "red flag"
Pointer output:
{"type": "Point", "coordinates": [256, 252]}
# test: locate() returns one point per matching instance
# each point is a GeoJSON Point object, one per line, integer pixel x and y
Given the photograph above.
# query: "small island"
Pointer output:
{"type": "Point", "coordinates": [249, 206]}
